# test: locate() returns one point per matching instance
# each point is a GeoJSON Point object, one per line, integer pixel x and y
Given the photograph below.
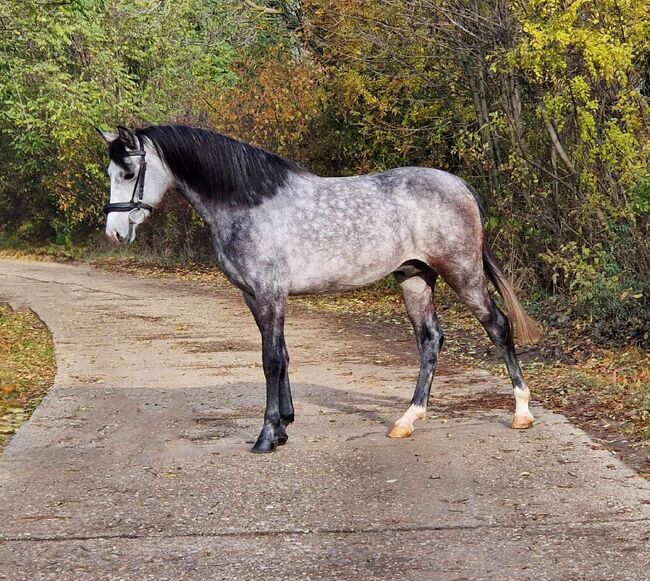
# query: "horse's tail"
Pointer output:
{"type": "Point", "coordinates": [523, 327]}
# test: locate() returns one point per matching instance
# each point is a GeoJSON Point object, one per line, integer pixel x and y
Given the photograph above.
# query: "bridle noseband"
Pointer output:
{"type": "Point", "coordinates": [136, 206]}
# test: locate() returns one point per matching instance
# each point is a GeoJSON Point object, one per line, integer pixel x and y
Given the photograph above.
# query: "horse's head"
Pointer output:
{"type": "Point", "coordinates": [139, 179]}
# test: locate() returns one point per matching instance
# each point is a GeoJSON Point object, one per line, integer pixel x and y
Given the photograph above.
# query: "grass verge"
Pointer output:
{"type": "Point", "coordinates": [27, 367]}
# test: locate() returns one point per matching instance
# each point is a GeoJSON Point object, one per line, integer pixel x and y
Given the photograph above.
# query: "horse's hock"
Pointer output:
{"type": "Point", "coordinates": [145, 472]}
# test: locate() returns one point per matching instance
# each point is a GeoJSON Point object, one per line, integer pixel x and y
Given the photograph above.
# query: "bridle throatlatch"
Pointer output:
{"type": "Point", "coordinates": [136, 206]}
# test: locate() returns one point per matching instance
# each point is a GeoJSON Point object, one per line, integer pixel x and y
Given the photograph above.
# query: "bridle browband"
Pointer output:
{"type": "Point", "coordinates": [136, 202]}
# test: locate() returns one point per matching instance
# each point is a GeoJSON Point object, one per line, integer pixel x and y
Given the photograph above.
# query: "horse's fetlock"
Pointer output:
{"type": "Point", "coordinates": [272, 422]}
{"type": "Point", "coordinates": [281, 436]}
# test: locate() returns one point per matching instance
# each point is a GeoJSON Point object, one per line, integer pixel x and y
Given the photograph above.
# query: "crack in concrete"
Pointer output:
{"type": "Point", "coordinates": [317, 531]}
{"type": "Point", "coordinates": [68, 284]}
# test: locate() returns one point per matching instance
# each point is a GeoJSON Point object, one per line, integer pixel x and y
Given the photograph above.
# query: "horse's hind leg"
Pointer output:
{"type": "Point", "coordinates": [472, 290]}
{"type": "Point", "coordinates": [418, 296]}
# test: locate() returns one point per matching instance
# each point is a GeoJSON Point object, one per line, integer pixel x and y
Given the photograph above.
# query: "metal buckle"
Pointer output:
{"type": "Point", "coordinates": [137, 216]}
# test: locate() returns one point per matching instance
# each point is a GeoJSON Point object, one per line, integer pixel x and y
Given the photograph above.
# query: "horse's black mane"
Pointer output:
{"type": "Point", "coordinates": [214, 165]}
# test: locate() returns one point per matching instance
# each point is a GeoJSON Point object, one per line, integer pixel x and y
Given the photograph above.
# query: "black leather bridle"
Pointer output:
{"type": "Point", "coordinates": [136, 206]}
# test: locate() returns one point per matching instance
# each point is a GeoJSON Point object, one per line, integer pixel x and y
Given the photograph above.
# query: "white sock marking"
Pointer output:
{"type": "Point", "coordinates": [522, 397]}
{"type": "Point", "coordinates": [415, 412]}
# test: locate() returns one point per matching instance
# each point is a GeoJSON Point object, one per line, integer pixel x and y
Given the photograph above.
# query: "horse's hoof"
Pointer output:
{"type": "Point", "coordinates": [281, 439]}
{"type": "Point", "coordinates": [522, 422]}
{"type": "Point", "coordinates": [399, 432]}
{"type": "Point", "coordinates": [263, 447]}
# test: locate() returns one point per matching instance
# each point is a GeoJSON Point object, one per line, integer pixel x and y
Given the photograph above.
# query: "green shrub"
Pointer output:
{"type": "Point", "coordinates": [614, 299]}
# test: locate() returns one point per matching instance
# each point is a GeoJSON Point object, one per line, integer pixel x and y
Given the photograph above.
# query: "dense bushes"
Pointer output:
{"type": "Point", "coordinates": [542, 105]}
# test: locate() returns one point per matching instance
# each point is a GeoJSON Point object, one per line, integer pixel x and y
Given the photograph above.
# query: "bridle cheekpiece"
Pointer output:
{"type": "Point", "coordinates": [135, 206]}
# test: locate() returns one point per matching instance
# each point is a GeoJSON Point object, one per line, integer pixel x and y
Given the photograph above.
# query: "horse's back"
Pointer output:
{"type": "Point", "coordinates": [406, 181]}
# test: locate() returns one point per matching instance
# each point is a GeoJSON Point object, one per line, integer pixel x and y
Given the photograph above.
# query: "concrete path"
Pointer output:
{"type": "Point", "coordinates": [136, 465]}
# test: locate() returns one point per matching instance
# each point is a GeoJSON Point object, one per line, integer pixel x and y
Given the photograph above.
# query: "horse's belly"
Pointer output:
{"type": "Point", "coordinates": [332, 275]}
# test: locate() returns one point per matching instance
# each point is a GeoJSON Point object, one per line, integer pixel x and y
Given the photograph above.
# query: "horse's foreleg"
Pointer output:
{"type": "Point", "coordinates": [418, 297]}
{"type": "Point", "coordinates": [286, 403]}
{"type": "Point", "coordinates": [269, 315]}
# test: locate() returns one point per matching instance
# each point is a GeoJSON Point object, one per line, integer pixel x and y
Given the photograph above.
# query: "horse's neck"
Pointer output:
{"type": "Point", "coordinates": [220, 218]}
{"type": "Point", "coordinates": [219, 214]}
{"type": "Point", "coordinates": [225, 220]}
{"type": "Point", "coordinates": [225, 223]}
{"type": "Point", "coordinates": [206, 208]}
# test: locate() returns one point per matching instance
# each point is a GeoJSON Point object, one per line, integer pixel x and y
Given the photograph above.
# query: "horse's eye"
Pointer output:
{"type": "Point", "coordinates": [129, 176]}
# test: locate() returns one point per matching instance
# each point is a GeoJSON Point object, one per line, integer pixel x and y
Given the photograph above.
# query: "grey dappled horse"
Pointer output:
{"type": "Point", "coordinates": [278, 230]}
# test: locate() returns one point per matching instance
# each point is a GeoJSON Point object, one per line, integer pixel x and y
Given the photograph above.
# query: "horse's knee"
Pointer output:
{"type": "Point", "coordinates": [273, 363]}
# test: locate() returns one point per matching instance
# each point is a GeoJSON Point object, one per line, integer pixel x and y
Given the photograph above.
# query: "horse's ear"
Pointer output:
{"type": "Point", "coordinates": [106, 136]}
{"type": "Point", "coordinates": [127, 137]}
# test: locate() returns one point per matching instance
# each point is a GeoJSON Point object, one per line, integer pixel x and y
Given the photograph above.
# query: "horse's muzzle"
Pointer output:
{"type": "Point", "coordinates": [118, 238]}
